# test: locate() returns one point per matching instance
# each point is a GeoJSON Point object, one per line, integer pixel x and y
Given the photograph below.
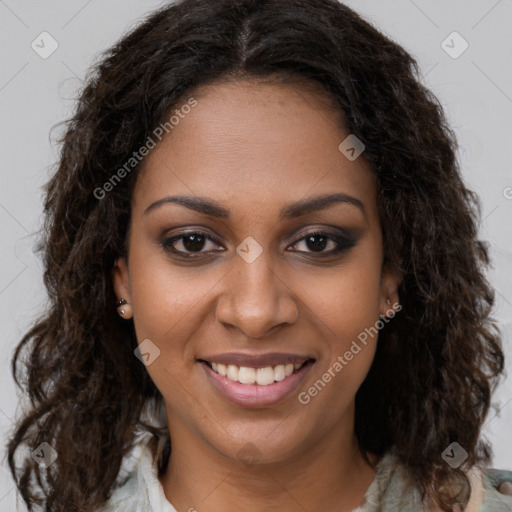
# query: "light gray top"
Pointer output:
{"type": "Point", "coordinates": [390, 491]}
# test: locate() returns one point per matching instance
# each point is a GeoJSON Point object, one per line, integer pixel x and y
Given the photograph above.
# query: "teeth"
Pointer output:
{"type": "Point", "coordinates": [246, 375]}
{"type": "Point", "coordinates": [261, 376]}
{"type": "Point", "coordinates": [279, 372]}
{"type": "Point", "coordinates": [265, 376]}
{"type": "Point", "coordinates": [232, 372]}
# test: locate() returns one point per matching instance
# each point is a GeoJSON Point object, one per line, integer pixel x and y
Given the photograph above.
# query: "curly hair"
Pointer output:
{"type": "Point", "coordinates": [438, 361]}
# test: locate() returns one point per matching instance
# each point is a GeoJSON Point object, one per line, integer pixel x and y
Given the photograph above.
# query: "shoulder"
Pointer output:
{"type": "Point", "coordinates": [393, 489]}
{"type": "Point", "coordinates": [497, 490]}
{"type": "Point", "coordinates": [491, 490]}
{"type": "Point", "coordinates": [141, 491]}
{"type": "Point", "coordinates": [125, 497]}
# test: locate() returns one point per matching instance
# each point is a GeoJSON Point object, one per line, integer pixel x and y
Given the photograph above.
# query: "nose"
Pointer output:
{"type": "Point", "coordinates": [255, 299]}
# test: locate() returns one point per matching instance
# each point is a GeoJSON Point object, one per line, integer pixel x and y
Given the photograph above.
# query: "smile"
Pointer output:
{"type": "Point", "coordinates": [256, 387]}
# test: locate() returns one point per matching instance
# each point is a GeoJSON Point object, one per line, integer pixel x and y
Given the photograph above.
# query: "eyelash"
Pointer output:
{"type": "Point", "coordinates": [343, 243]}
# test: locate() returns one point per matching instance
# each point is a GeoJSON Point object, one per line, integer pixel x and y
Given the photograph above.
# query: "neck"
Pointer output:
{"type": "Point", "coordinates": [330, 475]}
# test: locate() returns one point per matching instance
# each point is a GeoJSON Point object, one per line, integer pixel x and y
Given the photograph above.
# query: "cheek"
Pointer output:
{"type": "Point", "coordinates": [345, 308]}
{"type": "Point", "coordinates": [163, 295]}
{"type": "Point", "coordinates": [163, 307]}
{"type": "Point", "coordinates": [347, 300]}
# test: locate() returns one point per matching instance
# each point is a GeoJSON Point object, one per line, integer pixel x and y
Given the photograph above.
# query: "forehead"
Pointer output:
{"type": "Point", "coordinates": [254, 144]}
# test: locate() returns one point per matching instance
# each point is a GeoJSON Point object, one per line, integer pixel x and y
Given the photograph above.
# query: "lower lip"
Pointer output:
{"type": "Point", "coordinates": [254, 395]}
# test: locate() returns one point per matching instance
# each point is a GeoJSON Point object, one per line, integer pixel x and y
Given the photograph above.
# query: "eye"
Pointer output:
{"type": "Point", "coordinates": [318, 241]}
{"type": "Point", "coordinates": [188, 243]}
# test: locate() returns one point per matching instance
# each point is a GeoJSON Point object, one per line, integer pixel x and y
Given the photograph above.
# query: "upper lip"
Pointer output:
{"type": "Point", "coordinates": [256, 360]}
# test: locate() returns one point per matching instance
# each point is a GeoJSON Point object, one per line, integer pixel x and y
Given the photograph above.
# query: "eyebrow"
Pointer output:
{"type": "Point", "coordinates": [289, 211]}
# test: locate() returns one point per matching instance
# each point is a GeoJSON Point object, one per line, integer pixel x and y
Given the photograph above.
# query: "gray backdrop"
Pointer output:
{"type": "Point", "coordinates": [465, 52]}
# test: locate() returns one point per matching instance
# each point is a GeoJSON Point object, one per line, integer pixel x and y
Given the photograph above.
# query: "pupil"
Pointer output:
{"type": "Point", "coordinates": [197, 242]}
{"type": "Point", "coordinates": [316, 246]}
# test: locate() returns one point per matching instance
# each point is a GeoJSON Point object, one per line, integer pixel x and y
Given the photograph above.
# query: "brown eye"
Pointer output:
{"type": "Point", "coordinates": [193, 242]}
{"type": "Point", "coordinates": [318, 241]}
{"type": "Point", "coordinates": [187, 243]}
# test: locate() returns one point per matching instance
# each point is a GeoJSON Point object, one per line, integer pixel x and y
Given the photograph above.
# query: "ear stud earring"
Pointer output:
{"type": "Point", "coordinates": [126, 311]}
{"type": "Point", "coordinates": [396, 307]}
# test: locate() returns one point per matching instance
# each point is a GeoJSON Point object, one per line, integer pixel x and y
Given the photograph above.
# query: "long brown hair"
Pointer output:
{"type": "Point", "coordinates": [436, 363]}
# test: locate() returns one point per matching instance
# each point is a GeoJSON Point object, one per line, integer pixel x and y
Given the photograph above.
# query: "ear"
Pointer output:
{"type": "Point", "coordinates": [389, 298]}
{"type": "Point", "coordinates": [121, 279]}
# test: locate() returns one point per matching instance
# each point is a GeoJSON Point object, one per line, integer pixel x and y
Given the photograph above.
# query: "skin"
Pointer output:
{"type": "Point", "coordinates": [255, 148]}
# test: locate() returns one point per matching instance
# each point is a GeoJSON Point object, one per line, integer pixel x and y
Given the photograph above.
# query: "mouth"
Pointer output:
{"type": "Point", "coordinates": [251, 387]}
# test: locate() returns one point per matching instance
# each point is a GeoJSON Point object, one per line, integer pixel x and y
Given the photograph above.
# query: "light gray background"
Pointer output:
{"type": "Point", "coordinates": [36, 93]}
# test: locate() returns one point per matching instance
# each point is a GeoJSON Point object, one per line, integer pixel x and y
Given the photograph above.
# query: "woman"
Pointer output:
{"type": "Point", "coordinates": [264, 277]}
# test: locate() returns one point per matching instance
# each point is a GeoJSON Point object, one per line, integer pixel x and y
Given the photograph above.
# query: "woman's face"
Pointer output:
{"type": "Point", "coordinates": [245, 281]}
